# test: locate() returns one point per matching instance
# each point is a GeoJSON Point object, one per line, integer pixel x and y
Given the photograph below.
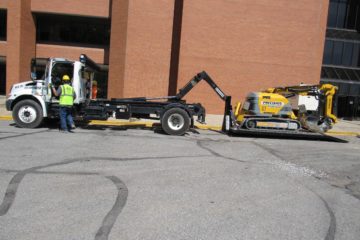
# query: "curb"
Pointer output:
{"type": "Point", "coordinates": [353, 134]}
{"type": "Point", "coordinates": [199, 126]}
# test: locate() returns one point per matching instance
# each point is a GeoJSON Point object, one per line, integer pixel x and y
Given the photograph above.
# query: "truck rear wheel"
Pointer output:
{"type": "Point", "coordinates": [27, 114]}
{"type": "Point", "coordinates": [175, 121]}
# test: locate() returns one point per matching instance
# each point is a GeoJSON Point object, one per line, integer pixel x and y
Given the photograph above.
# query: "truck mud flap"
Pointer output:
{"type": "Point", "coordinates": [284, 134]}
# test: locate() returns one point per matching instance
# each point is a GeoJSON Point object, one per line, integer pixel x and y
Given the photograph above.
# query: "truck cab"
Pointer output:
{"type": "Point", "coordinates": [31, 101]}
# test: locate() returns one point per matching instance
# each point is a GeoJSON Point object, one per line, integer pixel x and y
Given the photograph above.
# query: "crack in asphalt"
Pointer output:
{"type": "Point", "coordinates": [330, 235]}
{"type": "Point", "coordinates": [110, 218]}
{"type": "Point", "coordinates": [112, 215]}
{"type": "Point", "coordinates": [200, 144]}
{"type": "Point", "coordinates": [22, 134]}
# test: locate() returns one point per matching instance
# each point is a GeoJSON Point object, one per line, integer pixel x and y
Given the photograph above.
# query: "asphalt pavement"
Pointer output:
{"type": "Point", "coordinates": [112, 182]}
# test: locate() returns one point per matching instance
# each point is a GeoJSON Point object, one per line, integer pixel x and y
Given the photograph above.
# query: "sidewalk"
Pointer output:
{"type": "Point", "coordinates": [344, 127]}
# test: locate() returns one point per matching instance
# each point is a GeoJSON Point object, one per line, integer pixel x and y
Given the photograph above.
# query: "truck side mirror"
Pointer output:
{"type": "Point", "coordinates": [33, 69]}
{"type": "Point", "coordinates": [33, 76]}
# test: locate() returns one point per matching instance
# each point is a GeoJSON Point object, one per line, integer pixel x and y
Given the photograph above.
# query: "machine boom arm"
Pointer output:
{"type": "Point", "coordinates": [229, 118]}
{"type": "Point", "coordinates": [195, 80]}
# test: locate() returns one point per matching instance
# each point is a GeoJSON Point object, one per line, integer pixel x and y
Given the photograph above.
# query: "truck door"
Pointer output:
{"type": "Point", "coordinates": [57, 69]}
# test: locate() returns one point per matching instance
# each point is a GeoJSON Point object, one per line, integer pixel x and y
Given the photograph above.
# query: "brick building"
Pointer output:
{"type": "Point", "coordinates": [153, 47]}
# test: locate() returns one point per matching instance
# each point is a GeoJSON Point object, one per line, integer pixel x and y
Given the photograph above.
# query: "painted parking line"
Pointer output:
{"type": "Point", "coordinates": [199, 126]}
{"type": "Point", "coordinates": [6, 118]}
{"type": "Point", "coordinates": [121, 123]}
{"type": "Point", "coordinates": [354, 134]}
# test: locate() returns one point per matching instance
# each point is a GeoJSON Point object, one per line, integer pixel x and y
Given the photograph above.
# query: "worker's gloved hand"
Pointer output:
{"type": "Point", "coordinates": [50, 85]}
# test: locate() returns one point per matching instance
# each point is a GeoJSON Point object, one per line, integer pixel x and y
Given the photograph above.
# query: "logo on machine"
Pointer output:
{"type": "Point", "coordinates": [122, 108]}
{"type": "Point", "coordinates": [272, 104]}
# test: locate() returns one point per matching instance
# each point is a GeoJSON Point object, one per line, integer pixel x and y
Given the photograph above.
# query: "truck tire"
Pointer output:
{"type": "Point", "coordinates": [175, 121]}
{"type": "Point", "coordinates": [28, 114]}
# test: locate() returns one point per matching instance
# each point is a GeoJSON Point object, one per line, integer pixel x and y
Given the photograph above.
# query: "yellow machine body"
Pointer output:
{"type": "Point", "coordinates": [271, 109]}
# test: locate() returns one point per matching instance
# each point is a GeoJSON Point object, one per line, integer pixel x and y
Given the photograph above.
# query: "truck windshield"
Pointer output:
{"type": "Point", "coordinates": [60, 69]}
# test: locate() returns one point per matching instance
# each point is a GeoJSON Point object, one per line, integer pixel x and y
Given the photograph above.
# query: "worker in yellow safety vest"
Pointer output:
{"type": "Point", "coordinates": [67, 96]}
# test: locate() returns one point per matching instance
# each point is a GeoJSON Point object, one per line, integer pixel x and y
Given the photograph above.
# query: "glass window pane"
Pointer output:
{"type": "Point", "coordinates": [341, 73]}
{"type": "Point", "coordinates": [323, 73]}
{"type": "Point", "coordinates": [329, 46]}
{"type": "Point", "coordinates": [351, 74]}
{"type": "Point", "coordinates": [355, 59]}
{"type": "Point", "coordinates": [357, 23]}
{"type": "Point", "coordinates": [332, 13]}
{"type": "Point", "coordinates": [352, 13]}
{"type": "Point", "coordinates": [3, 19]}
{"type": "Point", "coordinates": [337, 54]}
{"type": "Point", "coordinates": [2, 78]}
{"type": "Point", "coordinates": [72, 29]}
{"type": "Point", "coordinates": [342, 7]}
{"type": "Point", "coordinates": [330, 73]}
{"type": "Point", "coordinates": [357, 72]}
{"type": "Point", "coordinates": [347, 54]}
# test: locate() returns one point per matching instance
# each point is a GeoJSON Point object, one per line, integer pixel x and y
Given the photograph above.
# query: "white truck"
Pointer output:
{"type": "Point", "coordinates": [32, 101]}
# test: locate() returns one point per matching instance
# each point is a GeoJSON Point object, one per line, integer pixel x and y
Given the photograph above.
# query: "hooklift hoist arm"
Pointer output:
{"type": "Point", "coordinates": [229, 118]}
{"type": "Point", "coordinates": [195, 80]}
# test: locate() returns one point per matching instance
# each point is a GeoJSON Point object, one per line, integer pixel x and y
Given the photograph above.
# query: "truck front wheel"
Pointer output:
{"type": "Point", "coordinates": [27, 114]}
{"type": "Point", "coordinates": [175, 121]}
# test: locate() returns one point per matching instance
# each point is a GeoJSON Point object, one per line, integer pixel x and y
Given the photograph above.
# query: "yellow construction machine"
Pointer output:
{"type": "Point", "coordinates": [303, 111]}
{"type": "Point", "coordinates": [288, 108]}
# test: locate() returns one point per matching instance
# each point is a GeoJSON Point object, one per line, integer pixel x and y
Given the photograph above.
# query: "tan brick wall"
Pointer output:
{"type": "Point", "coordinates": [98, 8]}
{"type": "Point", "coordinates": [4, 3]}
{"type": "Point", "coordinates": [20, 42]}
{"type": "Point", "coordinates": [244, 45]}
{"type": "Point", "coordinates": [251, 45]}
{"type": "Point", "coordinates": [146, 61]}
{"type": "Point", "coordinates": [118, 40]}
{"type": "Point", "coordinates": [99, 55]}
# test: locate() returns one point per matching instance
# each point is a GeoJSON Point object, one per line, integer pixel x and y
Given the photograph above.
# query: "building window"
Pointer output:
{"type": "Point", "coordinates": [2, 75]}
{"type": "Point", "coordinates": [3, 24]}
{"type": "Point", "coordinates": [72, 30]}
{"type": "Point", "coordinates": [102, 84]}
{"type": "Point", "coordinates": [344, 14]}
{"type": "Point", "coordinates": [341, 53]}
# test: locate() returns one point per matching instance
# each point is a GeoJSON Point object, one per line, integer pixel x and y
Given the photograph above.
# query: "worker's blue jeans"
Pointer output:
{"type": "Point", "coordinates": [66, 120]}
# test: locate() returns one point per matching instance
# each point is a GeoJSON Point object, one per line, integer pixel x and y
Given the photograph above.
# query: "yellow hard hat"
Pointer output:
{"type": "Point", "coordinates": [66, 78]}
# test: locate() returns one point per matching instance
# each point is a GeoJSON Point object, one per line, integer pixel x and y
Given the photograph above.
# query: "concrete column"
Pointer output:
{"type": "Point", "coordinates": [21, 38]}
